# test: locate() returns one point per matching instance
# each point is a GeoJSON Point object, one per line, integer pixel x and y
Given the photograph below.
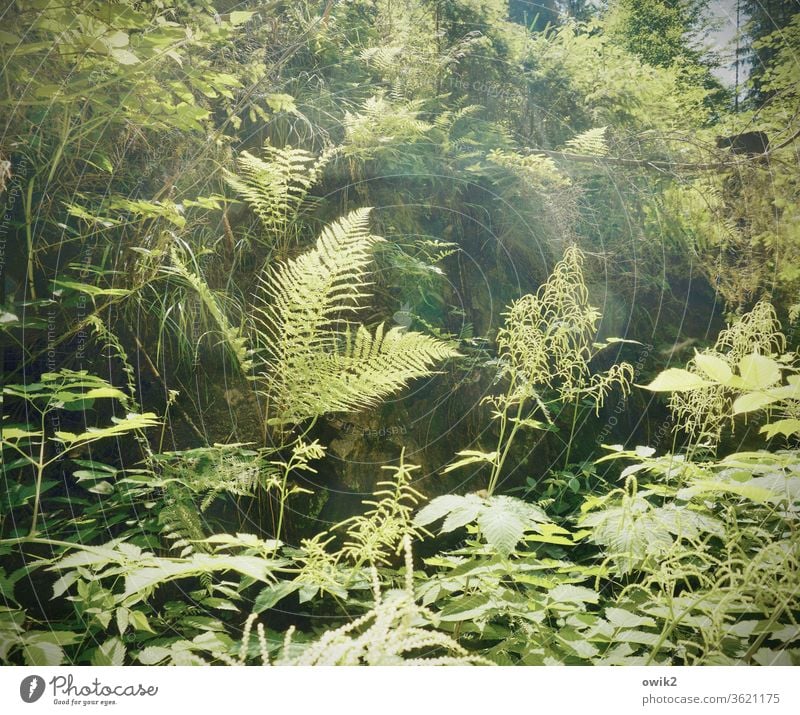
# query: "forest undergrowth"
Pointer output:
{"type": "Point", "coordinates": [398, 333]}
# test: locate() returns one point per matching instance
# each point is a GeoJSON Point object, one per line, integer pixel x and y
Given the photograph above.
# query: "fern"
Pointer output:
{"type": "Point", "coordinates": [180, 521]}
{"type": "Point", "coordinates": [276, 185]}
{"type": "Point", "coordinates": [384, 58]}
{"type": "Point", "coordinates": [381, 126]}
{"type": "Point", "coordinates": [591, 142]}
{"type": "Point", "coordinates": [536, 171]}
{"type": "Point", "coordinates": [315, 359]}
{"type": "Point", "coordinates": [372, 537]}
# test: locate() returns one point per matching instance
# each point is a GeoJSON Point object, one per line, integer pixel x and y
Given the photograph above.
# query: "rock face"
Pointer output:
{"type": "Point", "coordinates": [749, 143]}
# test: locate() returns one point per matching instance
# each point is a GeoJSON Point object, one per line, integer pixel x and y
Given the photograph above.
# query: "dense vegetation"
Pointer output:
{"type": "Point", "coordinates": [398, 331]}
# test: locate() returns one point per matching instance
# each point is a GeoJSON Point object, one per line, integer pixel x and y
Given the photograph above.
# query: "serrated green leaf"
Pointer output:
{"type": "Point", "coordinates": [707, 486]}
{"type": "Point", "coordinates": [239, 17]}
{"type": "Point", "coordinates": [501, 527]}
{"type": "Point", "coordinates": [751, 402]}
{"type": "Point", "coordinates": [437, 508]}
{"type": "Point", "coordinates": [713, 367]}
{"type": "Point", "coordinates": [274, 593]}
{"type": "Point", "coordinates": [471, 456]}
{"type": "Point", "coordinates": [787, 428]}
{"type": "Point", "coordinates": [621, 618]}
{"type": "Point", "coordinates": [758, 371]}
{"type": "Point", "coordinates": [43, 653]}
{"type": "Point", "coordinates": [112, 652]}
{"type": "Point", "coordinates": [140, 622]}
{"type": "Point", "coordinates": [567, 593]}
{"type": "Point", "coordinates": [677, 380]}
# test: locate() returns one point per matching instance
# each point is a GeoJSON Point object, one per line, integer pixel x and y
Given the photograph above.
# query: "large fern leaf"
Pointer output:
{"type": "Point", "coordinates": [591, 142]}
{"type": "Point", "coordinates": [316, 359]}
{"type": "Point", "coordinates": [276, 184]}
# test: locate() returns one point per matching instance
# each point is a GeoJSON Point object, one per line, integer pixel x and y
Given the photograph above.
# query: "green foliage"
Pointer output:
{"type": "Point", "coordinates": [547, 342]}
{"type": "Point", "coordinates": [275, 186]}
{"type": "Point", "coordinates": [396, 631]}
{"type": "Point", "coordinates": [315, 359]}
{"type": "Point", "coordinates": [658, 32]}
{"type": "Point", "coordinates": [213, 304]}
{"type": "Point", "coordinates": [374, 535]}
{"type": "Point", "coordinates": [702, 395]}
{"type": "Point", "coordinates": [32, 443]}
{"type": "Point", "coordinates": [545, 349]}
{"type": "Point", "coordinates": [632, 531]}
{"type": "Point", "coordinates": [495, 145]}
{"type": "Point", "coordinates": [502, 521]}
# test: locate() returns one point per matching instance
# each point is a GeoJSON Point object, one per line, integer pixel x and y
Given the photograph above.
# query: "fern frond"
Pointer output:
{"type": "Point", "coordinates": [535, 170]}
{"type": "Point", "coordinates": [382, 125]}
{"type": "Point", "coordinates": [316, 359]}
{"type": "Point", "coordinates": [276, 184]}
{"type": "Point", "coordinates": [180, 521]}
{"type": "Point", "coordinates": [375, 366]}
{"type": "Point", "coordinates": [384, 58]}
{"type": "Point", "coordinates": [591, 142]}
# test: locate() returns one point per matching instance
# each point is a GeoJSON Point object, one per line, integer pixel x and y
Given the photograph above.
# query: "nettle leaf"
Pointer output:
{"type": "Point", "coordinates": [567, 593]}
{"type": "Point", "coordinates": [634, 529]}
{"type": "Point", "coordinates": [705, 487]}
{"type": "Point", "coordinates": [464, 513]}
{"type": "Point", "coordinates": [140, 622]}
{"type": "Point", "coordinates": [270, 595]}
{"type": "Point", "coordinates": [437, 508]}
{"type": "Point", "coordinates": [635, 636]}
{"type": "Point", "coordinates": [239, 17]}
{"type": "Point", "coordinates": [758, 371]}
{"type": "Point", "coordinates": [16, 433]}
{"type": "Point", "coordinates": [714, 367]}
{"type": "Point", "coordinates": [621, 618]}
{"type": "Point", "coordinates": [153, 655]}
{"type": "Point", "coordinates": [502, 520]}
{"type": "Point", "coordinates": [63, 583]}
{"type": "Point", "coordinates": [677, 380]}
{"type": "Point", "coordinates": [122, 426]}
{"type": "Point", "coordinates": [752, 401]}
{"type": "Point", "coordinates": [58, 637]}
{"type": "Point", "coordinates": [458, 510]}
{"type": "Point", "coordinates": [467, 608]}
{"type": "Point", "coordinates": [471, 456]}
{"type": "Point", "coordinates": [39, 652]}
{"type": "Point", "coordinates": [786, 427]}
{"type": "Point", "coordinates": [143, 579]}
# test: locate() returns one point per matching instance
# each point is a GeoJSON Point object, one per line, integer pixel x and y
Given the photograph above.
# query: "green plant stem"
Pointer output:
{"type": "Point", "coordinates": [282, 501]}
{"type": "Point", "coordinates": [669, 627]}
{"type": "Point", "coordinates": [767, 630]}
{"type": "Point", "coordinates": [572, 430]}
{"type": "Point", "coordinates": [29, 236]}
{"type": "Point", "coordinates": [40, 465]}
{"type": "Point", "coordinates": [502, 448]}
